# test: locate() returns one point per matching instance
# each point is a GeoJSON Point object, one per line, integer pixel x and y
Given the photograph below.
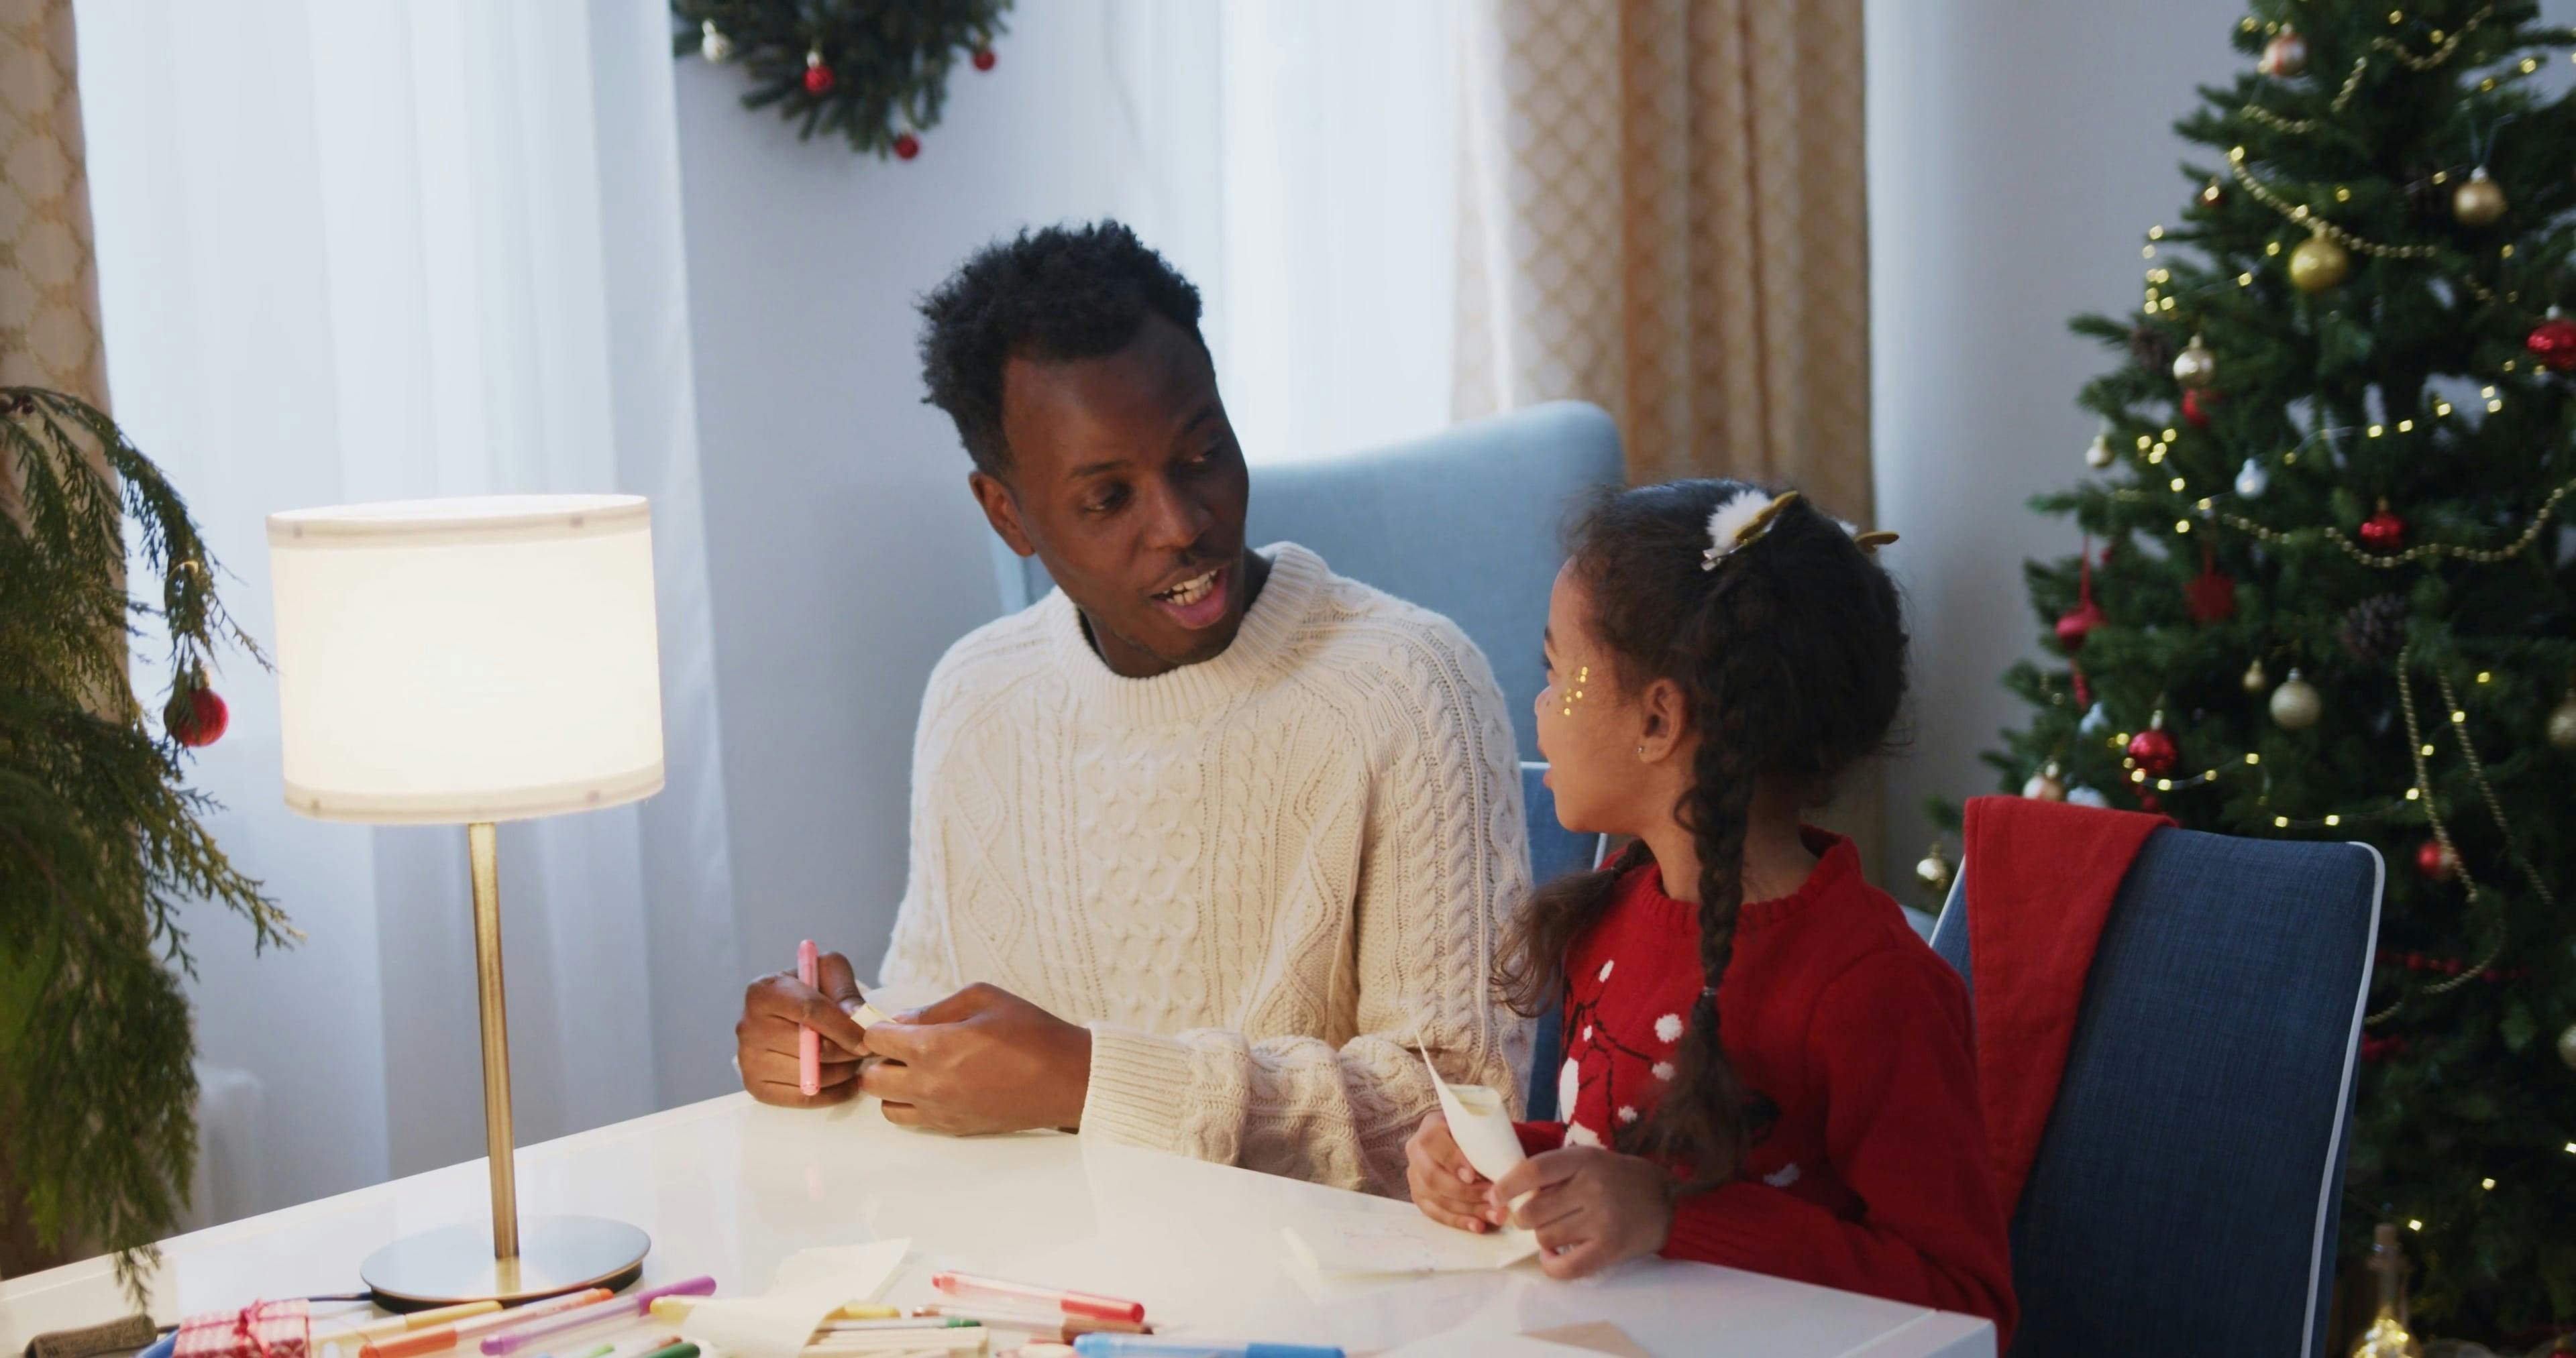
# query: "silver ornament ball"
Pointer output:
{"type": "Point", "coordinates": [2255, 680]}
{"type": "Point", "coordinates": [2085, 796]}
{"type": "Point", "coordinates": [2096, 721]}
{"type": "Point", "coordinates": [2098, 454]}
{"type": "Point", "coordinates": [2195, 366]}
{"type": "Point", "coordinates": [2252, 480]}
{"type": "Point", "coordinates": [2296, 704]}
{"type": "Point", "coordinates": [2562, 724]}
{"type": "Point", "coordinates": [2047, 785]}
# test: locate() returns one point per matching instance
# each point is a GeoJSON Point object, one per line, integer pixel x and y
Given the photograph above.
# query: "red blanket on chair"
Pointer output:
{"type": "Point", "coordinates": [2040, 880]}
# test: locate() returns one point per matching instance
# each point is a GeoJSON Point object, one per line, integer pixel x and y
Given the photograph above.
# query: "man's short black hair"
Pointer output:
{"type": "Point", "coordinates": [1066, 292]}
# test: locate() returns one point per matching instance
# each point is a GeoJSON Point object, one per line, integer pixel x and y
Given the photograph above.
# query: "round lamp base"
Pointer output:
{"type": "Point", "coordinates": [455, 1263]}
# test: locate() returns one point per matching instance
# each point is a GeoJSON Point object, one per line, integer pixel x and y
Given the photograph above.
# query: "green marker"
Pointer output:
{"type": "Point", "coordinates": [680, 1350]}
{"type": "Point", "coordinates": [898, 1323]}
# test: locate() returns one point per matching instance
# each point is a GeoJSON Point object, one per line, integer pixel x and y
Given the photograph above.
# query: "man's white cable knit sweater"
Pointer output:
{"type": "Point", "coordinates": [1263, 881]}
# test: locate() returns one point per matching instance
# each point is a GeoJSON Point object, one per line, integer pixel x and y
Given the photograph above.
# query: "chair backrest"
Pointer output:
{"type": "Point", "coordinates": [2189, 1178]}
{"type": "Point", "coordinates": [1554, 852]}
{"type": "Point", "coordinates": [1465, 523]}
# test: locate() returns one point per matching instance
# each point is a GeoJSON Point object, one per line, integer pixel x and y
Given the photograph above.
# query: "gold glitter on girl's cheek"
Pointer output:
{"type": "Point", "coordinates": [1582, 676]}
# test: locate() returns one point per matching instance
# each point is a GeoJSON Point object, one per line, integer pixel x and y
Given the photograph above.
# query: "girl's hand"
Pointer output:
{"type": "Point", "coordinates": [1445, 1186]}
{"type": "Point", "coordinates": [1591, 1207]}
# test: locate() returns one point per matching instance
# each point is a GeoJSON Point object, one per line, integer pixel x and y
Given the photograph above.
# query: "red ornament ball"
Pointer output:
{"type": "Point", "coordinates": [906, 146]}
{"type": "Point", "coordinates": [818, 79]}
{"type": "Point", "coordinates": [2196, 402]}
{"type": "Point", "coordinates": [2079, 621]}
{"type": "Point", "coordinates": [2438, 864]}
{"type": "Point", "coordinates": [197, 717]}
{"type": "Point", "coordinates": [2553, 342]}
{"type": "Point", "coordinates": [2155, 752]}
{"type": "Point", "coordinates": [983, 58]}
{"type": "Point", "coordinates": [2211, 596]}
{"type": "Point", "coordinates": [2383, 531]}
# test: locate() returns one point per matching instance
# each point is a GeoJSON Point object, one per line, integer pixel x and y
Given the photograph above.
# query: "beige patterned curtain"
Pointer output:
{"type": "Point", "coordinates": [1662, 212]}
{"type": "Point", "coordinates": [49, 335]}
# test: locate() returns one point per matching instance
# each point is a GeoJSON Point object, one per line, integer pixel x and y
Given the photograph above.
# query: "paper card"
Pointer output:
{"type": "Point", "coordinates": [1481, 1124]}
{"type": "Point", "coordinates": [810, 1285]}
{"type": "Point", "coordinates": [1599, 1336]}
{"type": "Point", "coordinates": [1412, 1243]}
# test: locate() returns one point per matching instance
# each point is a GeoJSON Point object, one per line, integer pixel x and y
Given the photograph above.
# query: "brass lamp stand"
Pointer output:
{"type": "Point", "coordinates": [559, 1254]}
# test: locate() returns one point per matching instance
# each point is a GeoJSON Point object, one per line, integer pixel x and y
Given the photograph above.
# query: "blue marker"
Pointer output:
{"type": "Point", "coordinates": [1141, 1346]}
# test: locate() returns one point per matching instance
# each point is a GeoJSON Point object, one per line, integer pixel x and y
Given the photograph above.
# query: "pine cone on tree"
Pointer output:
{"type": "Point", "coordinates": [2153, 349]}
{"type": "Point", "coordinates": [2374, 631]}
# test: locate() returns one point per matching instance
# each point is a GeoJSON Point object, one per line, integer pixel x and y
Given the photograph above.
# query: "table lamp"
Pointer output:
{"type": "Point", "coordinates": [469, 661]}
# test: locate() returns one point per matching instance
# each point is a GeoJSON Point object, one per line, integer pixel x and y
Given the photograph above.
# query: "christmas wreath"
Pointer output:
{"type": "Point", "coordinates": [875, 71]}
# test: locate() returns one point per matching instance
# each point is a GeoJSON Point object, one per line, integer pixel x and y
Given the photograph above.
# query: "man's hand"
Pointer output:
{"type": "Point", "coordinates": [1591, 1207]}
{"type": "Point", "coordinates": [1445, 1186]}
{"type": "Point", "coordinates": [765, 1040]}
{"type": "Point", "coordinates": [982, 1060]}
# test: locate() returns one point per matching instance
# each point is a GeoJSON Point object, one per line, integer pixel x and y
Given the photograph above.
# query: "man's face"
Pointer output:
{"type": "Point", "coordinates": [1126, 482]}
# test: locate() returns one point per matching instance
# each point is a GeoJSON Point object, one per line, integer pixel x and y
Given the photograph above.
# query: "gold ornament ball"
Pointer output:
{"type": "Point", "coordinates": [2255, 679]}
{"type": "Point", "coordinates": [2319, 264]}
{"type": "Point", "coordinates": [2562, 724]}
{"type": "Point", "coordinates": [2295, 704]}
{"type": "Point", "coordinates": [2047, 785]}
{"type": "Point", "coordinates": [1935, 871]}
{"type": "Point", "coordinates": [2098, 454]}
{"type": "Point", "coordinates": [2195, 366]}
{"type": "Point", "coordinates": [2479, 200]}
{"type": "Point", "coordinates": [2567, 1047]}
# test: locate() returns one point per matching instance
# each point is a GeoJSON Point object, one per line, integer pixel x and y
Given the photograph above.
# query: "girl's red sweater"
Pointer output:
{"type": "Point", "coordinates": [1851, 1038]}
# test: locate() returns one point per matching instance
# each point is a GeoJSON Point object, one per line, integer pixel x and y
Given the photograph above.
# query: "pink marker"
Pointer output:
{"type": "Point", "coordinates": [809, 1044]}
{"type": "Point", "coordinates": [972, 1288]}
{"type": "Point", "coordinates": [578, 1318]}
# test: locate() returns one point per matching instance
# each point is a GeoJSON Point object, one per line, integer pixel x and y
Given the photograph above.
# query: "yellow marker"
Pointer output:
{"type": "Point", "coordinates": [867, 1310]}
{"type": "Point", "coordinates": [394, 1325]}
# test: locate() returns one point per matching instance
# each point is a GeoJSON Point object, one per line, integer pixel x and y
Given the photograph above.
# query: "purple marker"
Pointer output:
{"type": "Point", "coordinates": [616, 1308]}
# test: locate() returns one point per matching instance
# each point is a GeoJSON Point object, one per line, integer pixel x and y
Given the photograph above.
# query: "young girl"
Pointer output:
{"type": "Point", "coordinates": [1764, 1066]}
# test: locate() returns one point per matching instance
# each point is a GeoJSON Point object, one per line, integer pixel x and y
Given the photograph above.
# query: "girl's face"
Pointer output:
{"type": "Point", "coordinates": [1588, 730]}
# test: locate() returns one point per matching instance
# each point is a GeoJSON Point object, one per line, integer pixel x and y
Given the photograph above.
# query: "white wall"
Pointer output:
{"type": "Point", "coordinates": [2017, 155]}
{"type": "Point", "coordinates": [845, 553]}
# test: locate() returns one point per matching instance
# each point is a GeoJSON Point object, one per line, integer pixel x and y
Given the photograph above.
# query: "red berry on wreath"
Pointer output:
{"type": "Point", "coordinates": [196, 717]}
{"type": "Point", "coordinates": [2553, 342]}
{"type": "Point", "coordinates": [2383, 531]}
{"type": "Point", "coordinates": [2438, 864]}
{"type": "Point", "coordinates": [906, 146]}
{"type": "Point", "coordinates": [983, 58]}
{"type": "Point", "coordinates": [818, 77]}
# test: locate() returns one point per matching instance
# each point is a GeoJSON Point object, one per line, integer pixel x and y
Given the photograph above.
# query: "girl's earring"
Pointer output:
{"type": "Point", "coordinates": [1641, 752]}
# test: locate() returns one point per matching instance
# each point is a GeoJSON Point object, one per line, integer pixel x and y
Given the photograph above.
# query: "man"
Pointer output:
{"type": "Point", "coordinates": [1207, 844]}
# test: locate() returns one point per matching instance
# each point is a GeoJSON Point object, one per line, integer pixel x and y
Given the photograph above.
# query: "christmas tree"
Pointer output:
{"type": "Point", "coordinates": [2330, 590]}
{"type": "Point", "coordinates": [102, 842]}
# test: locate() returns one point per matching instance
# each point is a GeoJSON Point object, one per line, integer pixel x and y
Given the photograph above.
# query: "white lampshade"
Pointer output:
{"type": "Point", "coordinates": [467, 660]}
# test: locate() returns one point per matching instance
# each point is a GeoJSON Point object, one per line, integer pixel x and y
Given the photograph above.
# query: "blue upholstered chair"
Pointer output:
{"type": "Point", "coordinates": [1554, 852]}
{"type": "Point", "coordinates": [1465, 523]}
{"type": "Point", "coordinates": [2188, 1182]}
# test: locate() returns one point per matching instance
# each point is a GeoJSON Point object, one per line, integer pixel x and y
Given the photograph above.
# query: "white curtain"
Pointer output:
{"type": "Point", "coordinates": [1301, 159]}
{"type": "Point", "coordinates": [374, 249]}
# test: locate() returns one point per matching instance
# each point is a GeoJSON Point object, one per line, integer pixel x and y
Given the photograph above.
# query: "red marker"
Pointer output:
{"type": "Point", "coordinates": [969, 1286]}
{"type": "Point", "coordinates": [809, 1044]}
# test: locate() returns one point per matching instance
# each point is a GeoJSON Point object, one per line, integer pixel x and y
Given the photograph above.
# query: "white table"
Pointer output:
{"type": "Point", "coordinates": [728, 1187]}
